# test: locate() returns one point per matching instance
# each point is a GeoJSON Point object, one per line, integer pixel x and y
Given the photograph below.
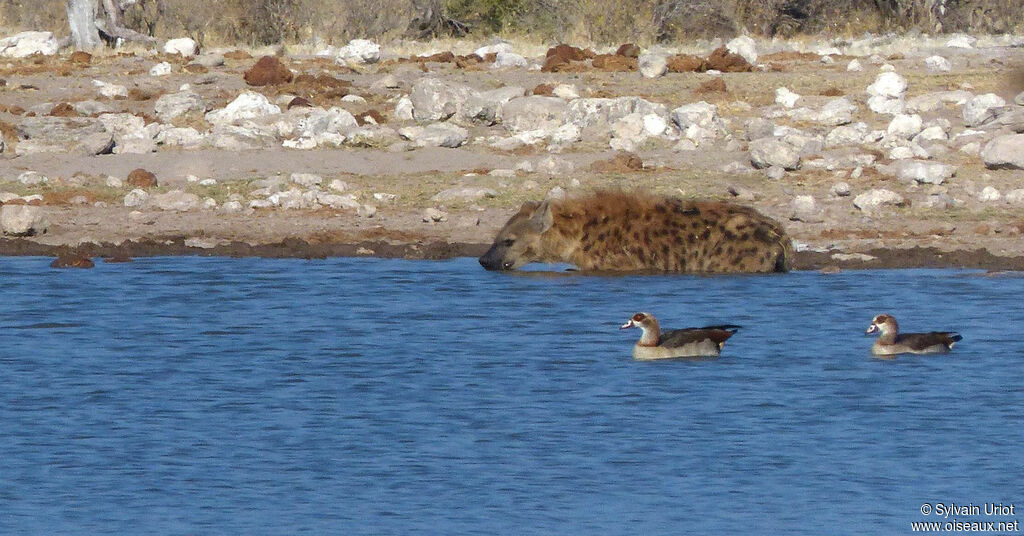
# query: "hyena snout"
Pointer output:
{"type": "Point", "coordinates": [495, 259]}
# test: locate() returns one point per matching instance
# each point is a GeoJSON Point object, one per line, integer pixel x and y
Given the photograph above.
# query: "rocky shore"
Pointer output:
{"type": "Point", "coordinates": [882, 151]}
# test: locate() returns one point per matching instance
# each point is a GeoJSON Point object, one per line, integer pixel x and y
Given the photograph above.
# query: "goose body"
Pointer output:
{"type": "Point", "coordinates": [892, 342]}
{"type": "Point", "coordinates": [690, 342]}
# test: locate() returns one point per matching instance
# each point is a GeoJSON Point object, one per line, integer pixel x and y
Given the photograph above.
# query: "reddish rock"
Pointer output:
{"type": "Point", "coordinates": [237, 55]}
{"type": "Point", "coordinates": [628, 50]}
{"type": "Point", "coordinates": [686, 63]}
{"type": "Point", "coordinates": [141, 178]}
{"type": "Point", "coordinates": [727, 62]}
{"type": "Point", "coordinates": [299, 102]}
{"type": "Point", "coordinates": [623, 162]}
{"type": "Point", "coordinates": [715, 85]}
{"type": "Point", "coordinates": [832, 92]}
{"type": "Point", "coordinates": [545, 90]}
{"type": "Point", "coordinates": [64, 110]}
{"type": "Point", "coordinates": [137, 94]}
{"type": "Point", "coordinates": [370, 116]}
{"type": "Point", "coordinates": [72, 260]}
{"type": "Point", "coordinates": [268, 71]}
{"type": "Point", "coordinates": [440, 57]}
{"type": "Point", "coordinates": [570, 52]}
{"type": "Point", "coordinates": [614, 63]}
{"type": "Point", "coordinates": [80, 57]}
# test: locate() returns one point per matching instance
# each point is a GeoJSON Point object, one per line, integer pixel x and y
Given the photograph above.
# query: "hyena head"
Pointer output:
{"type": "Point", "coordinates": [519, 241]}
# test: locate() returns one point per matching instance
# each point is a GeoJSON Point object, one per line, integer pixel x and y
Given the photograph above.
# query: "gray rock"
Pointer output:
{"type": "Point", "coordinates": [759, 127]}
{"type": "Point", "coordinates": [700, 114]}
{"type": "Point", "coordinates": [175, 200]}
{"type": "Point", "coordinates": [602, 112]}
{"type": "Point", "coordinates": [486, 107]}
{"type": "Point", "coordinates": [23, 220]}
{"type": "Point", "coordinates": [47, 134]}
{"type": "Point", "coordinates": [841, 189]}
{"type": "Point", "coordinates": [209, 60]}
{"type": "Point", "coordinates": [135, 146]}
{"type": "Point", "coordinates": [835, 112]}
{"type": "Point", "coordinates": [136, 198]}
{"type": "Point", "coordinates": [982, 109]}
{"type": "Point", "coordinates": [938, 64]}
{"type": "Point", "coordinates": [533, 113]}
{"type": "Point", "coordinates": [805, 209]}
{"type": "Point", "coordinates": [235, 138]}
{"type": "Point", "coordinates": [652, 65]}
{"type": "Point", "coordinates": [504, 60]}
{"type": "Point", "coordinates": [1019, 99]}
{"type": "Point", "coordinates": [766, 152]}
{"type": "Point", "coordinates": [306, 180]}
{"type": "Point", "coordinates": [173, 105]}
{"type": "Point", "coordinates": [437, 100]}
{"type": "Point", "coordinates": [371, 136]}
{"type": "Point", "coordinates": [442, 135]}
{"type": "Point", "coordinates": [1015, 197]}
{"type": "Point", "coordinates": [1004, 152]}
{"type": "Point", "coordinates": [181, 137]}
{"type": "Point", "coordinates": [773, 173]}
{"type": "Point", "coordinates": [872, 200]}
{"type": "Point", "coordinates": [433, 215]}
{"type": "Point", "coordinates": [923, 171]}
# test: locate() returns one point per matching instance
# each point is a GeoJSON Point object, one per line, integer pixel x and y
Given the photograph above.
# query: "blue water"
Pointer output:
{"type": "Point", "coordinates": [364, 396]}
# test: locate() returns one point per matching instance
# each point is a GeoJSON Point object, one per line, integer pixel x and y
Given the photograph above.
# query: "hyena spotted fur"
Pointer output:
{"type": "Point", "coordinates": [620, 232]}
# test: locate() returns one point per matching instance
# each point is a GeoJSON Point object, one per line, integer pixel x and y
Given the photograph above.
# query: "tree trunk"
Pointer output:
{"type": "Point", "coordinates": [82, 20]}
{"type": "Point", "coordinates": [430, 21]}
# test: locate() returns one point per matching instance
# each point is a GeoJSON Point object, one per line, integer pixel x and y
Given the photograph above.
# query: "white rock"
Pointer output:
{"type": "Point", "coordinates": [110, 90]}
{"type": "Point", "coordinates": [306, 180]}
{"type": "Point", "coordinates": [25, 44]}
{"type": "Point", "coordinates": [504, 60]}
{"type": "Point", "coordinates": [565, 91]}
{"type": "Point", "coordinates": [248, 105]}
{"type": "Point", "coordinates": [961, 41]}
{"type": "Point", "coordinates": [23, 220]}
{"type": "Point", "coordinates": [744, 46]}
{"type": "Point", "coordinates": [568, 134]}
{"type": "Point", "coordinates": [535, 112]}
{"type": "Point", "coordinates": [183, 46]}
{"type": "Point", "coordinates": [1004, 152]}
{"type": "Point", "coordinates": [938, 64]}
{"type": "Point", "coordinates": [136, 198]}
{"type": "Point", "coordinates": [114, 182]}
{"type": "Point", "coordinates": [384, 197]}
{"type": "Point", "coordinates": [32, 178]}
{"type": "Point", "coordinates": [172, 105]}
{"type": "Point", "coordinates": [1015, 197]}
{"type": "Point", "coordinates": [654, 125]}
{"type": "Point", "coordinates": [700, 114]}
{"type": "Point", "coordinates": [774, 173]}
{"type": "Point", "coordinates": [161, 69]}
{"type": "Point", "coordinates": [786, 97]}
{"type": "Point", "coordinates": [403, 109]}
{"type": "Point", "coordinates": [981, 109]}
{"type": "Point", "coordinates": [338, 202]}
{"type": "Point", "coordinates": [854, 66]}
{"type": "Point", "coordinates": [359, 51]}
{"type": "Point", "coordinates": [852, 134]}
{"type": "Point", "coordinates": [442, 135]}
{"type": "Point", "coordinates": [881, 104]}
{"type": "Point", "coordinates": [434, 99]}
{"type": "Point", "coordinates": [433, 215]}
{"type": "Point", "coordinates": [923, 172]}
{"type": "Point", "coordinates": [838, 111]}
{"type": "Point", "coordinates": [901, 152]}
{"type": "Point", "coordinates": [989, 194]}
{"type": "Point", "coordinates": [841, 189]}
{"type": "Point", "coordinates": [872, 200]}
{"type": "Point", "coordinates": [652, 65]}
{"type": "Point", "coordinates": [493, 49]}
{"type": "Point", "coordinates": [889, 84]}
{"type": "Point", "coordinates": [338, 185]}
{"type": "Point", "coordinates": [180, 136]}
{"type": "Point", "coordinates": [932, 133]}
{"type": "Point", "coordinates": [175, 200]}
{"type": "Point", "coordinates": [208, 182]}
{"type": "Point", "coordinates": [766, 152]}
{"type": "Point", "coordinates": [904, 126]}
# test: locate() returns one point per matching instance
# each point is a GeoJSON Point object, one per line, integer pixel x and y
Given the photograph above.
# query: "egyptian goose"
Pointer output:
{"type": "Point", "coordinates": [892, 342]}
{"type": "Point", "coordinates": [690, 342]}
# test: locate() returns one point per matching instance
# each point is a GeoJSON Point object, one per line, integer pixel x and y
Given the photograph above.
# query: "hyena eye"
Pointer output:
{"type": "Point", "coordinates": [508, 242]}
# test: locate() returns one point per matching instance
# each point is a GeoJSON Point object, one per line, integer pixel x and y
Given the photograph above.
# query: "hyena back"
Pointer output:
{"type": "Point", "coordinates": [620, 232]}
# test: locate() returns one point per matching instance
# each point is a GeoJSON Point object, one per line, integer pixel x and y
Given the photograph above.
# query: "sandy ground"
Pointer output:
{"type": "Point", "coordinates": [975, 234]}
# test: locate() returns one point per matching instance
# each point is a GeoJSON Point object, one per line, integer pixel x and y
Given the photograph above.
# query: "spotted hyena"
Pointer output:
{"type": "Point", "coordinates": [614, 231]}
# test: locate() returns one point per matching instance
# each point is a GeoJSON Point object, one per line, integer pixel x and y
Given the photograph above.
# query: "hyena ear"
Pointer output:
{"type": "Point", "coordinates": [541, 219]}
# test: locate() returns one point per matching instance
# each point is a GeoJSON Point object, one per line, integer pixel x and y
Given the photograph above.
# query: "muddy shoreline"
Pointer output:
{"type": "Point", "coordinates": [916, 257]}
